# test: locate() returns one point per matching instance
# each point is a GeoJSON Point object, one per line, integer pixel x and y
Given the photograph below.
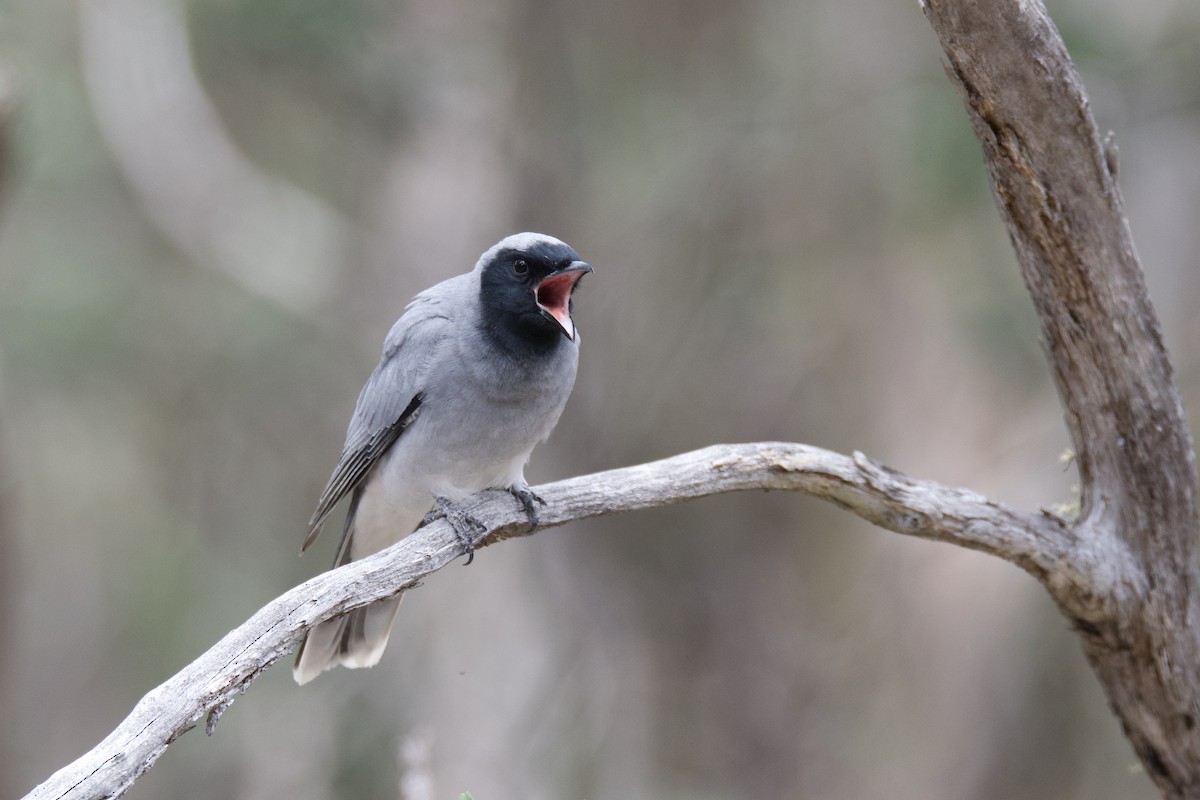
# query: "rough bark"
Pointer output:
{"type": "Point", "coordinates": [1055, 181]}
{"type": "Point", "coordinates": [1123, 572]}
{"type": "Point", "coordinates": [1039, 542]}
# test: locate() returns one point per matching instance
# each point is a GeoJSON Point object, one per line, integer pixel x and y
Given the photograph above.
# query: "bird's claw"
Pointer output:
{"type": "Point", "coordinates": [527, 498]}
{"type": "Point", "coordinates": [466, 528]}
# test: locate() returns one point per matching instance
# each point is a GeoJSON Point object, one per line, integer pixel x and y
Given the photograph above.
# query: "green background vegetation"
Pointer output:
{"type": "Point", "coordinates": [793, 239]}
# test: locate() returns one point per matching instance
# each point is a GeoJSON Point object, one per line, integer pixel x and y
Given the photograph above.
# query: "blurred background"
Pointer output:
{"type": "Point", "coordinates": [211, 214]}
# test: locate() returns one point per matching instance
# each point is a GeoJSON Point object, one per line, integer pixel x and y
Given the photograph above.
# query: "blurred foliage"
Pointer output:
{"type": "Point", "coordinates": [794, 239]}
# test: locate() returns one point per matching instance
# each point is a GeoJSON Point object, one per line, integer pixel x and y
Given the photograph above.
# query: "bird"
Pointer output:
{"type": "Point", "coordinates": [473, 375]}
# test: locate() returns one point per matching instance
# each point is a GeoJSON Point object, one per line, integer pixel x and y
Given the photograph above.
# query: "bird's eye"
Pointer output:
{"type": "Point", "coordinates": [521, 267]}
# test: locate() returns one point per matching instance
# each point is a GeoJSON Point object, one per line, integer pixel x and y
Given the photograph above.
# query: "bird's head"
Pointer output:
{"type": "Point", "coordinates": [526, 283]}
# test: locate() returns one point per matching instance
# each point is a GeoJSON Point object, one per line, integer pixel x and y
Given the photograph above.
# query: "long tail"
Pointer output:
{"type": "Point", "coordinates": [352, 640]}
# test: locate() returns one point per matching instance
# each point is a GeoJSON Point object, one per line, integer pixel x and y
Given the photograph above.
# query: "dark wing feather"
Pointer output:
{"type": "Point", "coordinates": [354, 466]}
{"type": "Point", "coordinates": [390, 400]}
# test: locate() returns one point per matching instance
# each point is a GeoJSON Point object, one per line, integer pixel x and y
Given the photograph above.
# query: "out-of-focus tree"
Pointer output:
{"type": "Point", "coordinates": [793, 240]}
{"type": "Point", "coordinates": [8, 109]}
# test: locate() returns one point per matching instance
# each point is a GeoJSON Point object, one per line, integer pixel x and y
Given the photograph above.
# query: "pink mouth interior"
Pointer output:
{"type": "Point", "coordinates": [554, 294]}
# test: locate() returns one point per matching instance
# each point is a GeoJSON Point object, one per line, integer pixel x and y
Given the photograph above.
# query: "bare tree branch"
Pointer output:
{"type": "Point", "coordinates": [1125, 573]}
{"type": "Point", "coordinates": [1055, 181]}
{"type": "Point", "coordinates": [1040, 543]}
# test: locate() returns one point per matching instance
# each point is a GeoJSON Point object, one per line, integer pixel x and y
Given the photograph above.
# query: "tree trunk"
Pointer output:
{"type": "Point", "coordinates": [1055, 181]}
{"type": "Point", "coordinates": [1123, 571]}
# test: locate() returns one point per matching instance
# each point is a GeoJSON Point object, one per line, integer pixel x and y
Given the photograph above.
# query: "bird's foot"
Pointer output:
{"type": "Point", "coordinates": [466, 528]}
{"type": "Point", "coordinates": [527, 499]}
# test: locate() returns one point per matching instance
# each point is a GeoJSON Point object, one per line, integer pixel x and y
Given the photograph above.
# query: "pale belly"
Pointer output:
{"type": "Point", "coordinates": [448, 452]}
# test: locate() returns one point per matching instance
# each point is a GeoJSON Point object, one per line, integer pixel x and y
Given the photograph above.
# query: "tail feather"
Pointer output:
{"type": "Point", "coordinates": [352, 640]}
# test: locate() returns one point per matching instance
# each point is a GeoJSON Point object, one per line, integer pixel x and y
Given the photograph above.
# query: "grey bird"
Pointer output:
{"type": "Point", "coordinates": [473, 375]}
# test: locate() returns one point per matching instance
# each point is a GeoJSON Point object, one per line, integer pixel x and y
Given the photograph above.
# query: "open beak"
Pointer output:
{"type": "Point", "coordinates": [553, 294]}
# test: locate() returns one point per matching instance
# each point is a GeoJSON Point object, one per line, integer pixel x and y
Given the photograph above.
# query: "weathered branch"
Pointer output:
{"type": "Point", "coordinates": [1040, 543]}
{"type": "Point", "coordinates": [1054, 179]}
{"type": "Point", "coordinates": [1125, 573]}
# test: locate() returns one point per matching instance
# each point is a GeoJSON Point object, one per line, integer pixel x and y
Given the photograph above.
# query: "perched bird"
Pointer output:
{"type": "Point", "coordinates": [473, 375]}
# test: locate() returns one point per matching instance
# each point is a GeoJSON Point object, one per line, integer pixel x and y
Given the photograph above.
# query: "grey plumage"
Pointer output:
{"type": "Point", "coordinates": [473, 375]}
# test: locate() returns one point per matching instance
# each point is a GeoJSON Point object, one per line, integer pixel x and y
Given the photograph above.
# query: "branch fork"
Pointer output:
{"type": "Point", "coordinates": [1125, 572]}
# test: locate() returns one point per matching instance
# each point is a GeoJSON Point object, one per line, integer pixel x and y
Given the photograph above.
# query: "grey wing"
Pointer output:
{"type": "Point", "coordinates": [388, 403]}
